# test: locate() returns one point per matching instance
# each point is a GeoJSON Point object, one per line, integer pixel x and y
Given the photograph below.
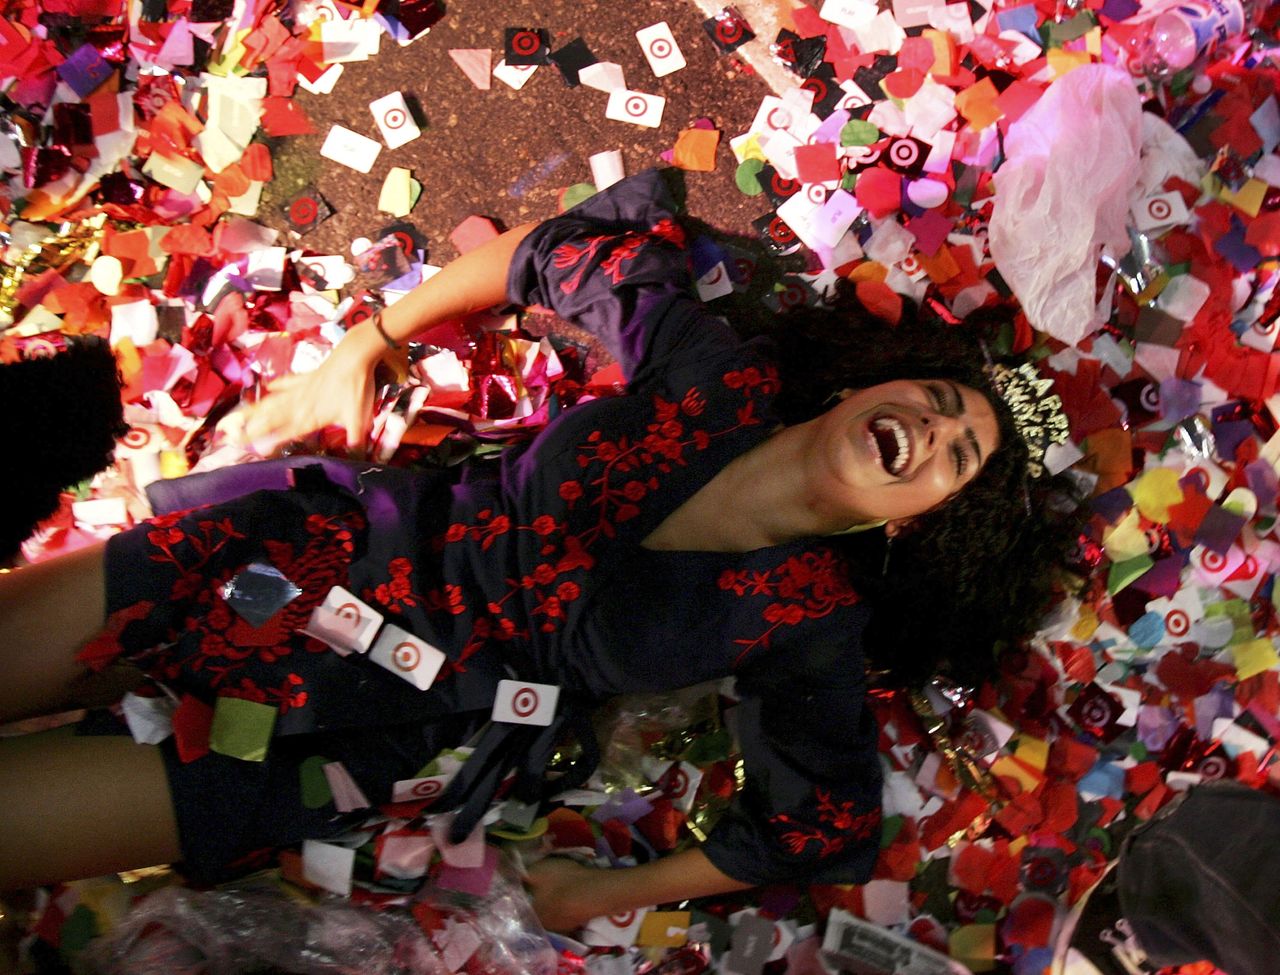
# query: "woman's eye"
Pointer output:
{"type": "Point", "coordinates": [939, 398]}
{"type": "Point", "coordinates": [962, 460]}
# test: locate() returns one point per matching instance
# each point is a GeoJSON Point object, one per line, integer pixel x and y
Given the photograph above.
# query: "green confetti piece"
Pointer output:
{"type": "Point", "coordinates": [242, 729]}
{"type": "Point", "coordinates": [576, 193]}
{"type": "Point", "coordinates": [315, 787]}
{"type": "Point", "coordinates": [745, 177]}
{"type": "Point", "coordinates": [859, 132]}
{"type": "Point", "coordinates": [890, 827]}
{"type": "Point", "coordinates": [1127, 572]}
{"type": "Point", "coordinates": [80, 927]}
{"type": "Point", "coordinates": [1236, 610]}
{"type": "Point", "coordinates": [1101, 839]}
{"type": "Point", "coordinates": [848, 181]}
{"type": "Point", "coordinates": [1069, 30]}
{"type": "Point", "coordinates": [709, 748]}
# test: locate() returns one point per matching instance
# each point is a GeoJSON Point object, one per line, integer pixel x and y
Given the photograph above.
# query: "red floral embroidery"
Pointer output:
{"type": "Point", "coordinates": [627, 246]}
{"type": "Point", "coordinates": [288, 695]}
{"type": "Point", "coordinates": [839, 816]}
{"type": "Point", "coordinates": [618, 475]}
{"type": "Point", "coordinates": [226, 639]}
{"type": "Point", "coordinates": [104, 648]}
{"type": "Point", "coordinates": [398, 592]}
{"type": "Point", "coordinates": [808, 586]}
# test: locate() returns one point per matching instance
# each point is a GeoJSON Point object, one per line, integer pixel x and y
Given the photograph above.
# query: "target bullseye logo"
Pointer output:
{"type": "Point", "coordinates": [729, 30]}
{"type": "Point", "coordinates": [783, 186]}
{"type": "Point", "coordinates": [1201, 477]}
{"type": "Point", "coordinates": [817, 86]}
{"type": "Point", "coordinates": [1264, 326]}
{"type": "Point", "coordinates": [348, 611]}
{"type": "Point", "coordinates": [714, 275]}
{"type": "Point", "coordinates": [406, 656]}
{"type": "Point", "coordinates": [524, 702]}
{"type": "Point", "coordinates": [358, 314]}
{"type": "Point", "coordinates": [303, 210]}
{"type": "Point", "coordinates": [1150, 397]}
{"type": "Point", "coordinates": [660, 47]}
{"type": "Point", "coordinates": [405, 242]}
{"type": "Point", "coordinates": [1213, 767]}
{"type": "Point", "coordinates": [865, 156]}
{"type": "Point", "coordinates": [791, 297]}
{"type": "Point", "coordinates": [1213, 561]}
{"type": "Point", "coordinates": [1250, 567]}
{"type": "Point", "coordinates": [623, 920]}
{"type": "Point", "coordinates": [1159, 209]}
{"type": "Point", "coordinates": [39, 349]}
{"type": "Point", "coordinates": [904, 153]}
{"type": "Point", "coordinates": [910, 265]}
{"type": "Point", "coordinates": [780, 232]}
{"type": "Point", "coordinates": [1177, 622]}
{"type": "Point", "coordinates": [136, 438]}
{"type": "Point", "coordinates": [1095, 712]}
{"type": "Point", "coordinates": [636, 106]}
{"type": "Point", "coordinates": [679, 783]}
{"type": "Point", "coordinates": [816, 193]}
{"type": "Point", "coordinates": [525, 42]}
{"type": "Point", "coordinates": [427, 789]}
{"type": "Point", "coordinates": [778, 118]}
{"type": "Point", "coordinates": [394, 118]}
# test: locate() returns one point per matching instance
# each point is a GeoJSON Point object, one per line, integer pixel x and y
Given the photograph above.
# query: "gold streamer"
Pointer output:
{"type": "Point", "coordinates": [57, 251]}
{"type": "Point", "coordinates": [969, 772]}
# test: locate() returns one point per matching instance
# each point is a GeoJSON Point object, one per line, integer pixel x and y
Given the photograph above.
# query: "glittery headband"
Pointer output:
{"type": "Point", "coordinates": [1037, 412]}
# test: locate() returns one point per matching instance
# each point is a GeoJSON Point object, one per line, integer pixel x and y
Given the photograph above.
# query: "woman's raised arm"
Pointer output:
{"type": "Point", "coordinates": [566, 894]}
{"type": "Point", "coordinates": [340, 392]}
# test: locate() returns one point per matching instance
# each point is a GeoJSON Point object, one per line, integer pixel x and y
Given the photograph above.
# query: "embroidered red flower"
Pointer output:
{"type": "Point", "coordinates": [808, 586]}
{"type": "Point", "coordinates": [844, 826]}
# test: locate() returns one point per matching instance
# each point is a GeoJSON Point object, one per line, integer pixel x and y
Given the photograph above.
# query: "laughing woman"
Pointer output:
{"type": "Point", "coordinates": [728, 516]}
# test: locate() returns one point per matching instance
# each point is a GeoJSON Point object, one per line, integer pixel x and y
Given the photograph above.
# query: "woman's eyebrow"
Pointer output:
{"type": "Point", "coordinates": [958, 410]}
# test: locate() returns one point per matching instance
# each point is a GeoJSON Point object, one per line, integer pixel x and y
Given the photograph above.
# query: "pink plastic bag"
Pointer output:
{"type": "Point", "coordinates": [1063, 195]}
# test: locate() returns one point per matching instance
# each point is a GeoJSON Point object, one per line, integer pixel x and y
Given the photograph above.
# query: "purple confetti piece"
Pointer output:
{"type": "Point", "coordinates": [1179, 398]}
{"type": "Point", "coordinates": [85, 70]}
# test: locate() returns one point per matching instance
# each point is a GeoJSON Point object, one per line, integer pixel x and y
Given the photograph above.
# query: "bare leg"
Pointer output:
{"type": "Point", "coordinates": [47, 612]}
{"type": "Point", "coordinates": [73, 807]}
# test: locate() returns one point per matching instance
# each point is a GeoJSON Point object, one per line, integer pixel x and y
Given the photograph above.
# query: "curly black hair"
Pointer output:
{"type": "Point", "coordinates": [975, 574]}
{"type": "Point", "coordinates": [61, 417]}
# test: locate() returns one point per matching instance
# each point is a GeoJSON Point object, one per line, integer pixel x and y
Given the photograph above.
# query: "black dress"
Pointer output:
{"type": "Point", "coordinates": [531, 566]}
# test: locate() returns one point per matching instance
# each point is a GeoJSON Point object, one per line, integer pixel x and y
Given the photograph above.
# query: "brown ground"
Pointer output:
{"type": "Point", "coordinates": [480, 147]}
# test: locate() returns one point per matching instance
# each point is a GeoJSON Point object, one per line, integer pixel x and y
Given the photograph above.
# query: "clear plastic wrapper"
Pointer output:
{"type": "Point", "coordinates": [507, 937]}
{"type": "Point", "coordinates": [176, 931]}
{"type": "Point", "coordinates": [635, 727]}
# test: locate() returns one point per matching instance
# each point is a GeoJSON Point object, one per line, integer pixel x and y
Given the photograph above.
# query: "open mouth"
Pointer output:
{"type": "Point", "coordinates": [892, 443]}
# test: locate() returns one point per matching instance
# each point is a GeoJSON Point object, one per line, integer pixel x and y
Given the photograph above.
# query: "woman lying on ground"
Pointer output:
{"type": "Point", "coordinates": [708, 523]}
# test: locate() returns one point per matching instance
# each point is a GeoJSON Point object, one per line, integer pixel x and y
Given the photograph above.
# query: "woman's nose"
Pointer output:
{"type": "Point", "coordinates": [938, 428]}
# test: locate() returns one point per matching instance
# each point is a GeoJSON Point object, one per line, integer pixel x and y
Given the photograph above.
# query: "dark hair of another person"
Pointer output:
{"type": "Point", "coordinates": [976, 574]}
{"type": "Point", "coordinates": [60, 416]}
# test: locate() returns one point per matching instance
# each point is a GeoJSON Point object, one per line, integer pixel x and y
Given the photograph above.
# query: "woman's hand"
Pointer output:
{"type": "Point", "coordinates": [562, 893]}
{"type": "Point", "coordinates": [338, 393]}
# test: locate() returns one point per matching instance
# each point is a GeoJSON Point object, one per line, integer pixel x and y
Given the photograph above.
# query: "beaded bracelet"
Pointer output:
{"type": "Point", "coordinates": [391, 343]}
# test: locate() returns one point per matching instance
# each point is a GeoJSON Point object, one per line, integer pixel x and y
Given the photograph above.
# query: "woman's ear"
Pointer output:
{"type": "Point", "coordinates": [899, 526]}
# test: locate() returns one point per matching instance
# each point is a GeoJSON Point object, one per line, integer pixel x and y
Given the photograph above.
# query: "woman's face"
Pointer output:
{"type": "Point", "coordinates": [902, 448]}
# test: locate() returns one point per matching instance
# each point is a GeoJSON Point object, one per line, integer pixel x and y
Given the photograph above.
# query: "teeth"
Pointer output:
{"type": "Point", "coordinates": [901, 456]}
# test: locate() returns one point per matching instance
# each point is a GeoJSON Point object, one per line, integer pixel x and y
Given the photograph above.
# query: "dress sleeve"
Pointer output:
{"type": "Point", "coordinates": [616, 265]}
{"type": "Point", "coordinates": [810, 809]}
